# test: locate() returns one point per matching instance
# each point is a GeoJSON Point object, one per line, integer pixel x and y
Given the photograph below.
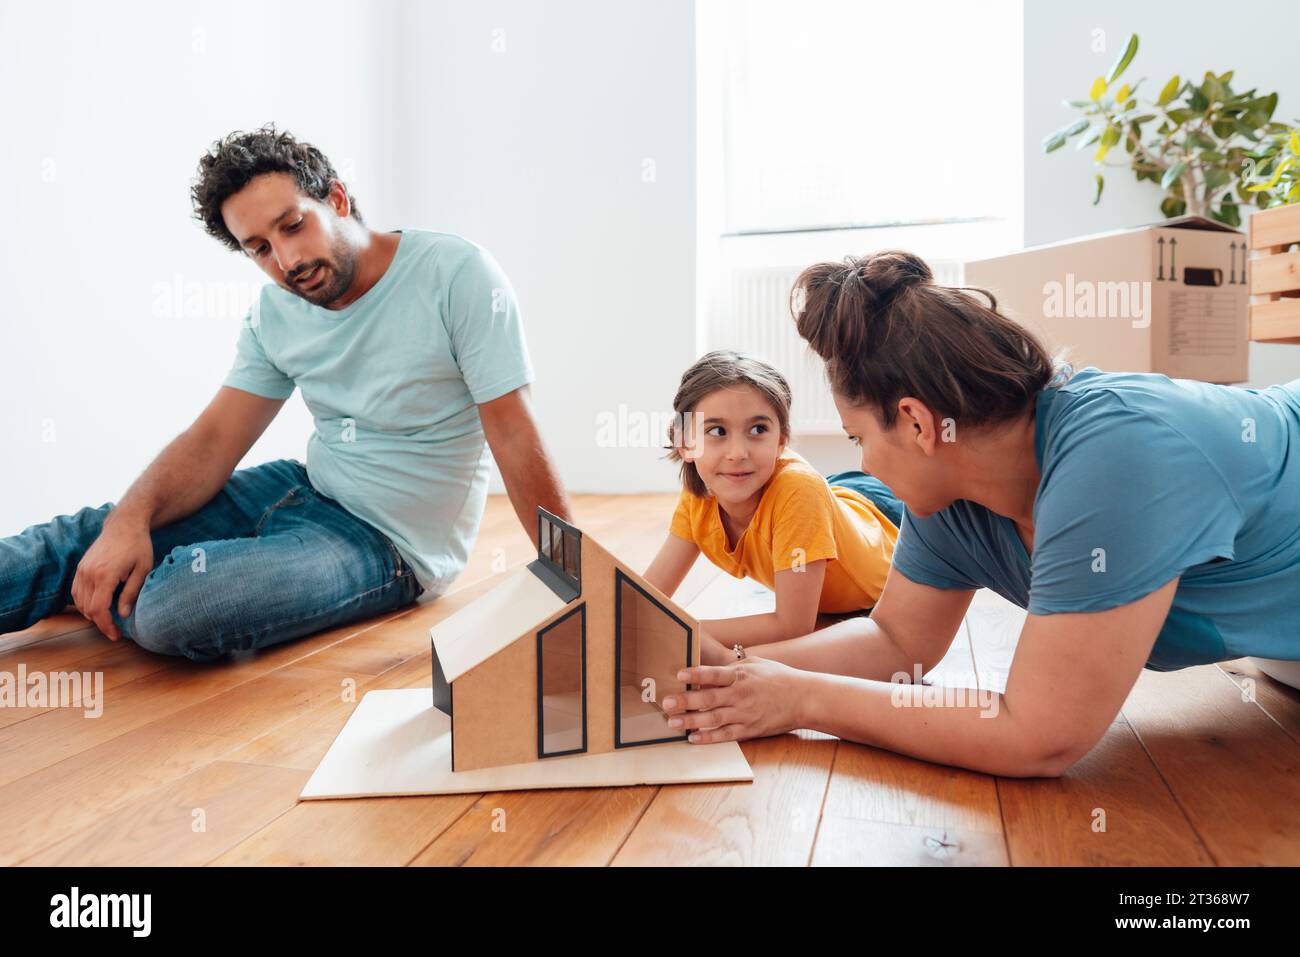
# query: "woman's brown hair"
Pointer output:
{"type": "Point", "coordinates": [722, 369]}
{"type": "Point", "coordinates": [886, 330]}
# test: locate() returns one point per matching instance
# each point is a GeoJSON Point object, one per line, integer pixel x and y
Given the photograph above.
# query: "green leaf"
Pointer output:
{"type": "Point", "coordinates": [1181, 116]}
{"type": "Point", "coordinates": [1056, 140]}
{"type": "Point", "coordinates": [1093, 135]}
{"type": "Point", "coordinates": [1245, 129]}
{"type": "Point", "coordinates": [1170, 90]}
{"type": "Point", "coordinates": [1125, 58]}
{"type": "Point", "coordinates": [1216, 177]}
{"type": "Point", "coordinates": [1172, 174]}
{"type": "Point", "coordinates": [1098, 89]}
{"type": "Point", "coordinates": [1223, 128]}
{"type": "Point", "coordinates": [1101, 183]}
{"type": "Point", "coordinates": [1200, 141]}
{"type": "Point", "coordinates": [1077, 104]}
{"type": "Point", "coordinates": [1173, 208]}
{"type": "Point", "coordinates": [1225, 77]}
{"type": "Point", "coordinates": [1123, 94]}
{"type": "Point", "coordinates": [1272, 181]}
{"type": "Point", "coordinates": [1228, 213]}
{"type": "Point", "coordinates": [1212, 88]}
{"type": "Point", "coordinates": [1198, 102]}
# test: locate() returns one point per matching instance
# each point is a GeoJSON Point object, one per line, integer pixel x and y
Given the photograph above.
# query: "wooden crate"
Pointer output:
{"type": "Point", "coordinates": [1275, 275]}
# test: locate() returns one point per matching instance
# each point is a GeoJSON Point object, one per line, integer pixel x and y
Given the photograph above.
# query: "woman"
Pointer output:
{"type": "Point", "coordinates": [1141, 521]}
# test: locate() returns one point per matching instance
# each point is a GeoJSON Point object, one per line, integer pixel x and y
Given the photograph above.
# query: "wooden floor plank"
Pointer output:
{"type": "Point", "coordinates": [1232, 769]}
{"type": "Point", "coordinates": [1280, 702]}
{"type": "Point", "coordinates": [579, 827]}
{"type": "Point", "coordinates": [62, 799]}
{"type": "Point", "coordinates": [112, 664]}
{"type": "Point", "coordinates": [355, 832]}
{"type": "Point", "coordinates": [186, 822]}
{"type": "Point", "coordinates": [302, 741]}
{"type": "Point", "coordinates": [1111, 809]}
{"type": "Point", "coordinates": [66, 622]}
{"type": "Point", "coordinates": [771, 821]}
{"type": "Point", "coordinates": [58, 734]}
{"type": "Point", "coordinates": [914, 812]}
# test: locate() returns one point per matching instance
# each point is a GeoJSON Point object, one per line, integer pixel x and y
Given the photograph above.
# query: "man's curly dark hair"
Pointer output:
{"type": "Point", "coordinates": [227, 167]}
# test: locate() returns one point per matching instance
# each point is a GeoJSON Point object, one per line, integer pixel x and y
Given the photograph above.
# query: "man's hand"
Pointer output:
{"type": "Point", "coordinates": [123, 552]}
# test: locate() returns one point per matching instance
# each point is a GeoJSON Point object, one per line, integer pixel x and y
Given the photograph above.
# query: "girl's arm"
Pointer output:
{"type": "Point", "coordinates": [798, 593]}
{"type": "Point", "coordinates": [671, 565]}
{"type": "Point", "coordinates": [909, 631]}
{"type": "Point", "coordinates": [1071, 673]}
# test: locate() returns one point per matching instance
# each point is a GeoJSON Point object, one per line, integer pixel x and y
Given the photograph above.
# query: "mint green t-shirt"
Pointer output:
{"type": "Point", "coordinates": [393, 382]}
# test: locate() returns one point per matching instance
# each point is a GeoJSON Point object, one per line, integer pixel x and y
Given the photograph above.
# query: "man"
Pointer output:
{"type": "Point", "coordinates": [409, 352]}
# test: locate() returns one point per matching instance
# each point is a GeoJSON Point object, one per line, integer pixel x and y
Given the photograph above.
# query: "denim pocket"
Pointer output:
{"type": "Point", "coordinates": [291, 498]}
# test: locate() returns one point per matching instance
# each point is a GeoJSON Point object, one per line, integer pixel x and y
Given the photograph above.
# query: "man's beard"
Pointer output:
{"type": "Point", "coordinates": [342, 270]}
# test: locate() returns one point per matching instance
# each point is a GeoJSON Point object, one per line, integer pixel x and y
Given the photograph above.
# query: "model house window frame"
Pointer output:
{"type": "Point", "coordinates": [581, 611]}
{"type": "Point", "coordinates": [559, 555]}
{"type": "Point", "coordinates": [619, 578]}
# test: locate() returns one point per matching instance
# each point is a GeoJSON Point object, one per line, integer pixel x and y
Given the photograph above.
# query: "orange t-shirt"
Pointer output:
{"type": "Point", "coordinates": [800, 519]}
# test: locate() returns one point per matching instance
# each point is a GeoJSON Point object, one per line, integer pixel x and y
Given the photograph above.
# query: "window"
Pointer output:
{"type": "Point", "coordinates": [561, 685]}
{"type": "Point", "coordinates": [834, 114]}
{"type": "Point", "coordinates": [651, 645]}
{"type": "Point", "coordinates": [559, 555]}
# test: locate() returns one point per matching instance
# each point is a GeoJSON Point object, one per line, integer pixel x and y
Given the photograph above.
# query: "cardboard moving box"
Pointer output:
{"type": "Point", "coordinates": [1170, 298]}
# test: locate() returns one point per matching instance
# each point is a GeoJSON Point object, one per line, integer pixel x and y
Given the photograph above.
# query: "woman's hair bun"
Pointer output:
{"type": "Point", "coordinates": [886, 274]}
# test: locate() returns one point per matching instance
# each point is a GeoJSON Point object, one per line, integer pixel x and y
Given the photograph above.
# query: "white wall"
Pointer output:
{"type": "Point", "coordinates": [1189, 38]}
{"type": "Point", "coordinates": [533, 127]}
{"type": "Point", "coordinates": [121, 315]}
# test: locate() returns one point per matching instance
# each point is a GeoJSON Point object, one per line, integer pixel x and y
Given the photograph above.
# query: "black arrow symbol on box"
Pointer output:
{"type": "Point", "coordinates": [1161, 243]}
{"type": "Point", "coordinates": [1232, 270]}
{"type": "Point", "coordinates": [1173, 268]}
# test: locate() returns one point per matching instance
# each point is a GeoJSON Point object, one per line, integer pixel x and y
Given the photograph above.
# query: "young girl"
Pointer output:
{"type": "Point", "coordinates": [757, 509]}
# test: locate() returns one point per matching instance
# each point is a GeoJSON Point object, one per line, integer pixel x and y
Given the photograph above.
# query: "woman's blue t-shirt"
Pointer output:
{"type": "Point", "coordinates": [1145, 478]}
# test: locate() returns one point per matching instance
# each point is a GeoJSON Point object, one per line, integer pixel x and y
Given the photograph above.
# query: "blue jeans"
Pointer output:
{"type": "Point", "coordinates": [267, 560]}
{"type": "Point", "coordinates": [873, 490]}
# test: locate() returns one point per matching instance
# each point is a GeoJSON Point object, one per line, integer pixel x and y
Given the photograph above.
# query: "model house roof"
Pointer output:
{"type": "Point", "coordinates": [492, 621]}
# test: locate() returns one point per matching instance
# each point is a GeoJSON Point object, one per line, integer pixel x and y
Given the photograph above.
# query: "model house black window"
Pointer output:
{"type": "Point", "coordinates": [559, 555]}
{"type": "Point", "coordinates": [561, 685]}
{"type": "Point", "coordinates": [651, 645]}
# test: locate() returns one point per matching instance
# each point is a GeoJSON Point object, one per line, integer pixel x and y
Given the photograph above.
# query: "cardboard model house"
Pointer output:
{"type": "Point", "coordinates": [570, 655]}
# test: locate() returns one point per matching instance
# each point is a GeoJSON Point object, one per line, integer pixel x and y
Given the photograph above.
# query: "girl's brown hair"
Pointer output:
{"type": "Point", "coordinates": [886, 330]}
{"type": "Point", "coordinates": [716, 370]}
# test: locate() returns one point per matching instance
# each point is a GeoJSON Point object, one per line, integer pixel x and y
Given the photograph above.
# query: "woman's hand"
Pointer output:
{"type": "Point", "coordinates": [751, 699]}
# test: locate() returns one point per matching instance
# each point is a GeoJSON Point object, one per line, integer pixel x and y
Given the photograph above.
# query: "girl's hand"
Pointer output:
{"type": "Point", "coordinates": [751, 699]}
{"type": "Point", "coordinates": [714, 652]}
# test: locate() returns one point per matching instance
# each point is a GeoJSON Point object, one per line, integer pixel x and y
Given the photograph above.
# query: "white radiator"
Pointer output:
{"type": "Point", "coordinates": [754, 317]}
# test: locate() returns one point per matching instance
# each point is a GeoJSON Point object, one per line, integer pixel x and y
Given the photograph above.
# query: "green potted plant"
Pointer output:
{"type": "Point", "coordinates": [1204, 143]}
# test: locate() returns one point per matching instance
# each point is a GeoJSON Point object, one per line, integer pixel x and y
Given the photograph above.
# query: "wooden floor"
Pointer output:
{"type": "Point", "coordinates": [194, 764]}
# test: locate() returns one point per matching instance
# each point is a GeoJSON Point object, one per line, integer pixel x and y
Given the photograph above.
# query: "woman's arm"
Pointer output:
{"type": "Point", "coordinates": [909, 631]}
{"type": "Point", "coordinates": [1070, 676]}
